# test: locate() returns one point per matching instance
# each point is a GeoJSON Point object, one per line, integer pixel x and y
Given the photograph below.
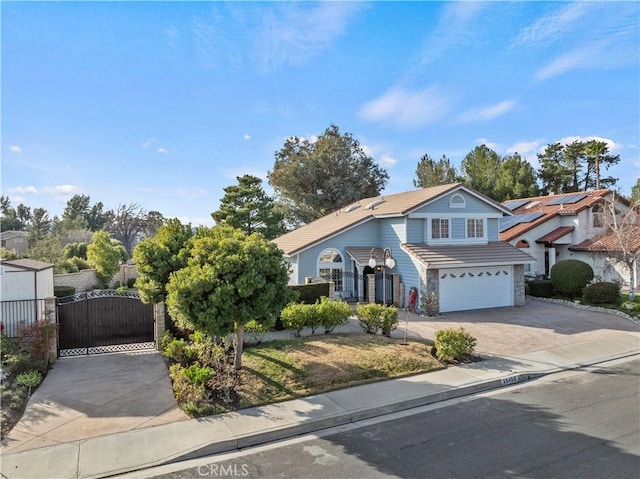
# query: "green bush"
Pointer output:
{"type": "Point", "coordinates": [333, 313]}
{"type": "Point", "coordinates": [452, 344]}
{"type": "Point", "coordinates": [179, 351]}
{"type": "Point", "coordinates": [601, 293]}
{"type": "Point", "coordinates": [374, 317]}
{"type": "Point", "coordinates": [184, 389]}
{"type": "Point", "coordinates": [254, 331]}
{"type": "Point", "coordinates": [62, 291]}
{"type": "Point", "coordinates": [30, 379]}
{"type": "Point", "coordinates": [199, 374]}
{"type": "Point", "coordinates": [570, 276]}
{"type": "Point", "coordinates": [541, 288]}
{"type": "Point", "coordinates": [310, 293]}
{"type": "Point", "coordinates": [294, 317]}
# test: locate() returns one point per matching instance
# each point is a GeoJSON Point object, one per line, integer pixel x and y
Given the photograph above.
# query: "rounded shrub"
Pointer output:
{"type": "Point", "coordinates": [570, 276]}
{"type": "Point", "coordinates": [332, 313]}
{"type": "Point", "coordinates": [540, 288]}
{"type": "Point", "coordinates": [601, 293]}
{"type": "Point", "coordinates": [452, 344]}
{"type": "Point", "coordinates": [373, 317]}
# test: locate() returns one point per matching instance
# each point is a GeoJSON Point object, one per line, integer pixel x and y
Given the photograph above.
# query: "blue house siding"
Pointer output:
{"type": "Point", "coordinates": [415, 230]}
{"type": "Point", "coordinates": [458, 228]}
{"type": "Point", "coordinates": [472, 205]}
{"type": "Point", "coordinates": [493, 232]}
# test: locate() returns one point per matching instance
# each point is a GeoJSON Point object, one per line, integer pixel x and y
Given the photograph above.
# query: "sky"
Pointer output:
{"type": "Point", "coordinates": [164, 104]}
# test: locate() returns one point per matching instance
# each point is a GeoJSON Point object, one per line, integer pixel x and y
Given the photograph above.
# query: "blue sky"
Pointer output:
{"type": "Point", "coordinates": [165, 103]}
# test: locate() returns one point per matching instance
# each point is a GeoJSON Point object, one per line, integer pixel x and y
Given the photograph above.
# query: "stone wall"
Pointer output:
{"type": "Point", "coordinates": [87, 279]}
{"type": "Point", "coordinates": [518, 285]}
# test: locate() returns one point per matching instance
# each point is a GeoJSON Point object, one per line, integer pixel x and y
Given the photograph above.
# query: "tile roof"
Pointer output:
{"type": "Point", "coordinates": [493, 253]}
{"type": "Point", "coordinates": [345, 218]}
{"type": "Point", "coordinates": [555, 235]}
{"type": "Point", "coordinates": [609, 241]}
{"type": "Point", "coordinates": [540, 204]}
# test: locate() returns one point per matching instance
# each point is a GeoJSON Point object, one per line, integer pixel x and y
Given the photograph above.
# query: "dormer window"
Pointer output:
{"type": "Point", "coordinates": [457, 201]}
{"type": "Point", "coordinates": [596, 216]}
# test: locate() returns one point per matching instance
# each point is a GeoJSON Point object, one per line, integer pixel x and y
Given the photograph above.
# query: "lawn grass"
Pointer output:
{"type": "Point", "coordinates": [288, 369]}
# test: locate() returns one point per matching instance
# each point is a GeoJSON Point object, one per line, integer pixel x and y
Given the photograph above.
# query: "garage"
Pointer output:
{"type": "Point", "coordinates": [462, 289]}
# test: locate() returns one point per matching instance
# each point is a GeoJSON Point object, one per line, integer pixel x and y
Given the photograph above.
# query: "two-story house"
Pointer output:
{"type": "Point", "coordinates": [563, 226]}
{"type": "Point", "coordinates": [16, 241]}
{"type": "Point", "coordinates": [442, 240]}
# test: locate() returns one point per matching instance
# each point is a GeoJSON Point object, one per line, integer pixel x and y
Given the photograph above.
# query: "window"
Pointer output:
{"type": "Point", "coordinates": [475, 228]}
{"type": "Point", "coordinates": [522, 244]}
{"type": "Point", "coordinates": [439, 228]}
{"type": "Point", "coordinates": [596, 215]}
{"type": "Point", "coordinates": [330, 267]}
{"type": "Point", "coordinates": [456, 201]}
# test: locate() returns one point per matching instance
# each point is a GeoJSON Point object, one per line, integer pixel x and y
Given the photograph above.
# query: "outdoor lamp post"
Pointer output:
{"type": "Point", "coordinates": [387, 262]}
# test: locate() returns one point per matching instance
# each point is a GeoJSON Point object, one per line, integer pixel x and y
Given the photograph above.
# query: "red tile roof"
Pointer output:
{"type": "Point", "coordinates": [540, 204]}
{"type": "Point", "coordinates": [610, 241]}
{"type": "Point", "coordinates": [555, 235]}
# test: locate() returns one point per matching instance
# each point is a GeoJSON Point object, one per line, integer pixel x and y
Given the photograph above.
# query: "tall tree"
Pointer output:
{"type": "Point", "coordinates": [314, 178]}
{"type": "Point", "coordinates": [47, 249]}
{"type": "Point", "coordinates": [480, 169]}
{"type": "Point", "coordinates": [516, 179]}
{"type": "Point", "coordinates": [39, 226]}
{"type": "Point", "coordinates": [575, 167]}
{"type": "Point", "coordinates": [231, 278]}
{"type": "Point", "coordinates": [104, 256]}
{"type": "Point", "coordinates": [159, 256]}
{"type": "Point", "coordinates": [433, 173]}
{"type": "Point", "coordinates": [246, 206]}
{"type": "Point", "coordinates": [9, 220]}
{"type": "Point", "coordinates": [635, 192]}
{"type": "Point", "coordinates": [127, 225]}
{"type": "Point", "coordinates": [74, 214]}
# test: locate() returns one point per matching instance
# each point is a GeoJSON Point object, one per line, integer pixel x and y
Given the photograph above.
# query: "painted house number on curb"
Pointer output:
{"type": "Point", "coordinates": [511, 380]}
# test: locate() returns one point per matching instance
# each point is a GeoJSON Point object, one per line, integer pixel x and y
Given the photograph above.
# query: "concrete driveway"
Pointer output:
{"type": "Point", "coordinates": [89, 396]}
{"type": "Point", "coordinates": [516, 330]}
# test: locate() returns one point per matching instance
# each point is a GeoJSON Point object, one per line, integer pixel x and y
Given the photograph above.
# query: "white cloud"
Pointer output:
{"type": "Point", "coordinates": [163, 151]}
{"type": "Point", "coordinates": [388, 160]}
{"type": "Point", "coordinates": [15, 149]}
{"type": "Point", "coordinates": [196, 221]}
{"type": "Point", "coordinates": [612, 145]}
{"type": "Point", "coordinates": [406, 108]}
{"type": "Point", "coordinates": [62, 193]}
{"type": "Point", "coordinates": [246, 137]}
{"type": "Point", "coordinates": [487, 112]}
{"type": "Point", "coordinates": [525, 148]}
{"type": "Point", "coordinates": [21, 190]}
{"type": "Point", "coordinates": [549, 28]}
{"type": "Point", "coordinates": [497, 147]}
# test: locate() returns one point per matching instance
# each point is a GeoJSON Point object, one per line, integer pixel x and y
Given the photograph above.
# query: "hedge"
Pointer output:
{"type": "Point", "coordinates": [541, 288]}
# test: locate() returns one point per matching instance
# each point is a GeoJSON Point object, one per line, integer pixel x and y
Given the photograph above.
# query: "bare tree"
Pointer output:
{"type": "Point", "coordinates": [127, 225]}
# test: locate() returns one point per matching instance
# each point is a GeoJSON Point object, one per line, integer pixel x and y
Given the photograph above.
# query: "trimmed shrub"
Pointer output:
{"type": "Point", "coordinates": [453, 344]}
{"type": "Point", "coordinates": [178, 351]}
{"type": "Point", "coordinates": [375, 317]}
{"type": "Point", "coordinates": [332, 313]}
{"type": "Point", "coordinates": [310, 293]}
{"type": "Point", "coordinates": [570, 276]}
{"type": "Point", "coordinates": [254, 331]}
{"type": "Point", "coordinates": [601, 293]}
{"type": "Point", "coordinates": [540, 288]}
{"type": "Point", "coordinates": [199, 374]}
{"type": "Point", "coordinates": [294, 317]}
{"type": "Point", "coordinates": [29, 379]}
{"type": "Point", "coordinates": [62, 291]}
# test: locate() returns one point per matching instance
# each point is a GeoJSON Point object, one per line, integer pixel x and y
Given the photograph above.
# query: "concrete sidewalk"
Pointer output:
{"type": "Point", "coordinates": [142, 448]}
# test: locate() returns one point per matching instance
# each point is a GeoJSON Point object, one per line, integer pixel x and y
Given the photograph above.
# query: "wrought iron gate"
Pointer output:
{"type": "Point", "coordinates": [384, 288]}
{"type": "Point", "coordinates": [104, 321]}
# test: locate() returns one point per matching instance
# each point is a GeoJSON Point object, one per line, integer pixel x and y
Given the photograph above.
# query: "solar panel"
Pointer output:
{"type": "Point", "coordinates": [567, 200]}
{"type": "Point", "coordinates": [511, 221]}
{"type": "Point", "coordinates": [515, 204]}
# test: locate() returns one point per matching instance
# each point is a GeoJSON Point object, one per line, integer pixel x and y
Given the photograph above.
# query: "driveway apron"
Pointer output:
{"type": "Point", "coordinates": [89, 396]}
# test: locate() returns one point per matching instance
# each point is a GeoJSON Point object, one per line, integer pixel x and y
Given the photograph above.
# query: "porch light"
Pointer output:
{"type": "Point", "coordinates": [388, 262]}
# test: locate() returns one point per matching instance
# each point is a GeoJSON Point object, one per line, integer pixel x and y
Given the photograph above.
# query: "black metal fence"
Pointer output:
{"type": "Point", "coordinates": [19, 313]}
{"type": "Point", "coordinates": [354, 288]}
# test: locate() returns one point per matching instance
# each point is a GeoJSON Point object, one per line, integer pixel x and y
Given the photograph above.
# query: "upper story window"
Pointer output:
{"type": "Point", "coordinates": [475, 228]}
{"type": "Point", "coordinates": [440, 228]}
{"type": "Point", "coordinates": [457, 201]}
{"type": "Point", "coordinates": [330, 267]}
{"type": "Point", "coordinates": [522, 244]}
{"type": "Point", "coordinates": [596, 216]}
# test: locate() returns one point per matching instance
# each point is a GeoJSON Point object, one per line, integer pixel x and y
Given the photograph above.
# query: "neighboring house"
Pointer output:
{"type": "Point", "coordinates": [442, 239]}
{"type": "Point", "coordinates": [558, 227]}
{"type": "Point", "coordinates": [16, 241]}
{"type": "Point", "coordinates": [24, 286]}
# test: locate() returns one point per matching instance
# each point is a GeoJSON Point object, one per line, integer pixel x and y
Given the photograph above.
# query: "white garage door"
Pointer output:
{"type": "Point", "coordinates": [475, 288]}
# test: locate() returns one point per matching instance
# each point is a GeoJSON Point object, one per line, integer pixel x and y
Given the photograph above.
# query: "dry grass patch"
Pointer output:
{"type": "Point", "coordinates": [282, 370]}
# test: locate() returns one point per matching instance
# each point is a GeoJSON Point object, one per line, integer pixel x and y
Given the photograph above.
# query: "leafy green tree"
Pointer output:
{"type": "Point", "coordinates": [314, 178]}
{"type": "Point", "coordinates": [47, 249]}
{"type": "Point", "coordinates": [231, 279]}
{"type": "Point", "coordinates": [104, 256]}
{"type": "Point", "coordinates": [635, 192]}
{"type": "Point", "coordinates": [575, 167]}
{"type": "Point", "coordinates": [433, 173]}
{"type": "Point", "coordinates": [157, 257]}
{"type": "Point", "coordinates": [9, 220]}
{"type": "Point", "coordinates": [75, 250]}
{"type": "Point", "coordinates": [73, 216]}
{"type": "Point", "coordinates": [247, 207]}
{"type": "Point", "coordinates": [480, 170]}
{"type": "Point", "coordinates": [39, 226]}
{"type": "Point", "coordinates": [516, 179]}
{"type": "Point", "coordinates": [7, 253]}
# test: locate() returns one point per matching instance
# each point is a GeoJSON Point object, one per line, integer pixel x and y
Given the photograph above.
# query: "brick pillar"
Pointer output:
{"type": "Point", "coordinates": [159, 317]}
{"type": "Point", "coordinates": [332, 290]}
{"type": "Point", "coordinates": [518, 285]}
{"type": "Point", "coordinates": [50, 314]}
{"type": "Point", "coordinates": [371, 287]}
